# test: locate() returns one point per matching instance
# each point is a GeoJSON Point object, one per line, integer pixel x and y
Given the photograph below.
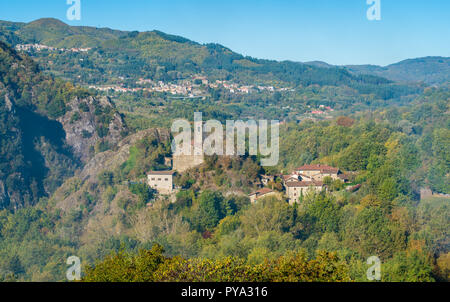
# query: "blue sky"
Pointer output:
{"type": "Point", "coordinates": [334, 31]}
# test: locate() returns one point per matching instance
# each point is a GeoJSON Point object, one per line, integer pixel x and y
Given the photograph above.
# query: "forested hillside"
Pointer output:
{"type": "Point", "coordinates": [73, 173]}
{"type": "Point", "coordinates": [128, 56]}
{"type": "Point", "coordinates": [36, 111]}
{"type": "Point", "coordinates": [391, 154]}
{"type": "Point", "coordinates": [54, 33]}
{"type": "Point", "coordinates": [131, 67]}
{"type": "Point", "coordinates": [404, 143]}
{"type": "Point", "coordinates": [430, 70]}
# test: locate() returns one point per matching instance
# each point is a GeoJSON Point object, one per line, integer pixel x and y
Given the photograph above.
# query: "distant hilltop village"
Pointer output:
{"type": "Point", "coordinates": [194, 88]}
{"type": "Point", "coordinates": [40, 47]}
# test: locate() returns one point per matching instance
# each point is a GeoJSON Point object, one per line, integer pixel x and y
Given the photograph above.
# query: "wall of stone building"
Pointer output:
{"type": "Point", "coordinates": [317, 175]}
{"type": "Point", "coordinates": [321, 176]}
{"type": "Point", "coordinates": [309, 173]}
{"type": "Point", "coordinates": [161, 183]}
{"type": "Point", "coordinates": [182, 163]}
{"type": "Point", "coordinates": [427, 193]}
{"type": "Point", "coordinates": [168, 162]}
{"type": "Point", "coordinates": [294, 193]}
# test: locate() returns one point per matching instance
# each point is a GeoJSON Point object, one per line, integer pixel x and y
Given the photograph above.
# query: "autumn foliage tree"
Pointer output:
{"type": "Point", "coordinates": [153, 266]}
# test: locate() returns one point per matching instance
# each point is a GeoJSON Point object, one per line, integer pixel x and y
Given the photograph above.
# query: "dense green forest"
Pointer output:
{"type": "Point", "coordinates": [393, 152]}
{"type": "Point", "coordinates": [153, 266]}
{"type": "Point", "coordinates": [35, 156]}
{"type": "Point", "coordinates": [393, 141]}
{"type": "Point", "coordinates": [144, 110]}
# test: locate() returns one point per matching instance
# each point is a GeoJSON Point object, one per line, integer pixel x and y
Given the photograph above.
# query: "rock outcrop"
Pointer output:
{"type": "Point", "coordinates": [83, 125]}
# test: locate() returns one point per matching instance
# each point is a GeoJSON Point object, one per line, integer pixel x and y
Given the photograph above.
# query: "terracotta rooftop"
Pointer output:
{"type": "Point", "coordinates": [303, 175]}
{"type": "Point", "coordinates": [161, 173]}
{"type": "Point", "coordinates": [262, 191]}
{"type": "Point", "coordinates": [318, 167]}
{"type": "Point", "coordinates": [286, 177]}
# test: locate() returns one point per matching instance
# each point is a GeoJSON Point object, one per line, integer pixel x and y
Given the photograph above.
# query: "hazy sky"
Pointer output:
{"type": "Point", "coordinates": [334, 31]}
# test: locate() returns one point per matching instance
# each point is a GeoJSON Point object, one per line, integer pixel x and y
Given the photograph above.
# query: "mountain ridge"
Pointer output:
{"type": "Point", "coordinates": [155, 49]}
{"type": "Point", "coordinates": [430, 69]}
{"type": "Point", "coordinates": [55, 33]}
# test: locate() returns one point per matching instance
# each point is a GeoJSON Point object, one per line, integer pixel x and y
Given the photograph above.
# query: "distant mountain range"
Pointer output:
{"type": "Point", "coordinates": [144, 53]}
{"type": "Point", "coordinates": [430, 70]}
{"type": "Point", "coordinates": [148, 46]}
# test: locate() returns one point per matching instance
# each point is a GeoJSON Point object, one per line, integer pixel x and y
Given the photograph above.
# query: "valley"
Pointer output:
{"type": "Point", "coordinates": [85, 117]}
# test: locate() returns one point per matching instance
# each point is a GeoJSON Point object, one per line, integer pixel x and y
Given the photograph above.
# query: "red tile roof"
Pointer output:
{"type": "Point", "coordinates": [286, 177]}
{"type": "Point", "coordinates": [319, 167]}
{"type": "Point", "coordinates": [161, 173]}
{"type": "Point", "coordinates": [262, 191]}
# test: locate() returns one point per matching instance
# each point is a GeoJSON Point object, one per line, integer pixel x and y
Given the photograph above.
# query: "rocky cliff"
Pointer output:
{"type": "Point", "coordinates": [92, 121]}
{"type": "Point", "coordinates": [48, 129]}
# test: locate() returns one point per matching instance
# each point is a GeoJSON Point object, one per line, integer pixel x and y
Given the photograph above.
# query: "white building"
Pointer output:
{"type": "Point", "coordinates": [161, 181]}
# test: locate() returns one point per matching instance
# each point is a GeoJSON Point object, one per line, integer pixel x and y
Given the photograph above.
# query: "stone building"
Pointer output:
{"type": "Point", "coordinates": [168, 162]}
{"type": "Point", "coordinates": [161, 181]}
{"type": "Point", "coordinates": [318, 172]}
{"type": "Point", "coordinates": [295, 189]}
{"type": "Point", "coordinates": [182, 163]}
{"type": "Point", "coordinates": [193, 158]}
{"type": "Point", "coordinates": [290, 178]}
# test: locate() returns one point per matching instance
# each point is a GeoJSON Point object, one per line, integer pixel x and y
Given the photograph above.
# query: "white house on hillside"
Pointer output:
{"type": "Point", "coordinates": [161, 181]}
